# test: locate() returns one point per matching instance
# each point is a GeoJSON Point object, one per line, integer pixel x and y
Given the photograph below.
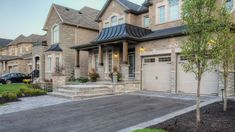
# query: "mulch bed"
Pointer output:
{"type": "Point", "coordinates": [214, 119]}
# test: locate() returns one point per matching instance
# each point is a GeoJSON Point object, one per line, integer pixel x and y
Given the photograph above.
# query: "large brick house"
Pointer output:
{"type": "Point", "coordinates": [143, 41]}
{"type": "Point", "coordinates": [65, 28]}
{"type": "Point", "coordinates": [16, 56]}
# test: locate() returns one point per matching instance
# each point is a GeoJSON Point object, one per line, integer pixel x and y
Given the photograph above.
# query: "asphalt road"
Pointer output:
{"type": "Point", "coordinates": [107, 114]}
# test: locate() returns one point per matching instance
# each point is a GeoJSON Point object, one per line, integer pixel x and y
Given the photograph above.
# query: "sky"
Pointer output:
{"type": "Point", "coordinates": [28, 16]}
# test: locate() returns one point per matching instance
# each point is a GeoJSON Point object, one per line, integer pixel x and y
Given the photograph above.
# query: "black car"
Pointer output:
{"type": "Point", "coordinates": [13, 78]}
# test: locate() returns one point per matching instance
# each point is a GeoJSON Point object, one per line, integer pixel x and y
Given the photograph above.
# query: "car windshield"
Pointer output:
{"type": "Point", "coordinates": [4, 75]}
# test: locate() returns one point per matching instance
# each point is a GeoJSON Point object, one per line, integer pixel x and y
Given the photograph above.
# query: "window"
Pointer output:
{"type": "Point", "coordinates": [57, 61]}
{"type": "Point", "coordinates": [110, 60]}
{"type": "Point", "coordinates": [106, 24]}
{"type": "Point", "coordinates": [55, 34]}
{"type": "Point", "coordinates": [173, 9]}
{"type": "Point", "coordinates": [146, 21]}
{"type": "Point", "coordinates": [120, 20]}
{"type": "Point", "coordinates": [164, 59]}
{"type": "Point", "coordinates": [49, 63]}
{"type": "Point", "coordinates": [149, 60]}
{"type": "Point", "coordinates": [161, 11]}
{"type": "Point", "coordinates": [229, 4]}
{"type": "Point", "coordinates": [113, 21]}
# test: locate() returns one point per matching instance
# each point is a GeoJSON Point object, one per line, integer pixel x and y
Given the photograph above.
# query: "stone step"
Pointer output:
{"type": "Point", "coordinates": [77, 92]}
{"type": "Point", "coordinates": [83, 88]}
{"type": "Point", "coordinates": [69, 96]}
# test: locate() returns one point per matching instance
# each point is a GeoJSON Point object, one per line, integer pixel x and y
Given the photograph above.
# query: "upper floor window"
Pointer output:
{"type": "Point", "coordinates": [173, 9]}
{"type": "Point", "coordinates": [114, 21]}
{"type": "Point", "coordinates": [146, 21]}
{"type": "Point", "coordinates": [120, 20]}
{"type": "Point", "coordinates": [55, 34]}
{"type": "Point", "coordinates": [229, 4]}
{"type": "Point", "coordinates": [162, 14]}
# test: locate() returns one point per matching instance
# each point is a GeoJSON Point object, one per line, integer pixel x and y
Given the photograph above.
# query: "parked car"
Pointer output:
{"type": "Point", "coordinates": [13, 78]}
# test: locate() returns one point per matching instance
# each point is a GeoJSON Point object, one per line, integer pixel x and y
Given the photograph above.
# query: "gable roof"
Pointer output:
{"type": "Point", "coordinates": [129, 6]}
{"type": "Point", "coordinates": [82, 18]}
{"type": "Point", "coordinates": [4, 42]}
{"type": "Point", "coordinates": [24, 39]}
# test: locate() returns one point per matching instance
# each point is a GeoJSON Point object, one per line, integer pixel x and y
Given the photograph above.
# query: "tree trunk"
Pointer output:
{"type": "Point", "coordinates": [198, 113]}
{"type": "Point", "coordinates": [225, 88]}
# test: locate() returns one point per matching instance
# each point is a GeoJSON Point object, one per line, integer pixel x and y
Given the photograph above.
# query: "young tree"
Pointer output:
{"type": "Point", "coordinates": [198, 16]}
{"type": "Point", "coordinates": [225, 45]}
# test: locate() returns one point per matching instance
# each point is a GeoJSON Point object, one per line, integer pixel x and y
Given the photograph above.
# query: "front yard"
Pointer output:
{"type": "Point", "coordinates": [214, 119]}
{"type": "Point", "coordinates": [12, 92]}
{"type": "Point", "coordinates": [11, 88]}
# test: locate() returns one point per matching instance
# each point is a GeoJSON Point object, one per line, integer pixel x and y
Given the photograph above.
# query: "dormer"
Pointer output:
{"type": "Point", "coordinates": [117, 12]}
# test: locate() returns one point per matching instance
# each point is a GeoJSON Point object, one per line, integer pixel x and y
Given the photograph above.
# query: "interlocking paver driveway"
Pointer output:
{"type": "Point", "coordinates": [107, 114]}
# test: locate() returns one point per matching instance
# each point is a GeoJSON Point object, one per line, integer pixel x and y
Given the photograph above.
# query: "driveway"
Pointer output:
{"type": "Point", "coordinates": [107, 114]}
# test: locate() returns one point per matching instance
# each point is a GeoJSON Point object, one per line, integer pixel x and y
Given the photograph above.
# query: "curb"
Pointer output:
{"type": "Point", "coordinates": [167, 117]}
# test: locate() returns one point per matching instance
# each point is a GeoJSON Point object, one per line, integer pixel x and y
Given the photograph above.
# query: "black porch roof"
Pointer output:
{"type": "Point", "coordinates": [119, 32]}
{"type": "Point", "coordinates": [54, 47]}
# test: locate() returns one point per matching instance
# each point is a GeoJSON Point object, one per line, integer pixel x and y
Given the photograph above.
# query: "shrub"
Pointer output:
{"type": "Point", "coordinates": [115, 70]}
{"type": "Point", "coordinates": [32, 92]}
{"type": "Point", "coordinates": [9, 96]}
{"type": "Point", "coordinates": [82, 80]}
{"type": "Point", "coordinates": [93, 75]}
{"type": "Point", "coordinates": [35, 86]}
{"type": "Point", "coordinates": [27, 81]}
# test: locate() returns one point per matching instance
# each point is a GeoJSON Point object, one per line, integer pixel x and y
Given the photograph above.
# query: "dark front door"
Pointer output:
{"type": "Point", "coordinates": [131, 59]}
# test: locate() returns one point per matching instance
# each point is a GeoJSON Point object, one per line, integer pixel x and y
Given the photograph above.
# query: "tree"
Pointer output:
{"type": "Point", "coordinates": [225, 43]}
{"type": "Point", "coordinates": [198, 16]}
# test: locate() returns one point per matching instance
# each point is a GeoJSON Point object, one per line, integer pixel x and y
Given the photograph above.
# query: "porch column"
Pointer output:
{"type": "Point", "coordinates": [4, 66]}
{"type": "Point", "coordinates": [77, 72]}
{"type": "Point", "coordinates": [125, 52]}
{"type": "Point", "coordinates": [101, 55]}
{"type": "Point", "coordinates": [78, 58]}
{"type": "Point", "coordinates": [125, 66]}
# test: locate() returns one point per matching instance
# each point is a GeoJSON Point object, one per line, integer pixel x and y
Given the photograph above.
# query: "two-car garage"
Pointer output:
{"type": "Point", "coordinates": [157, 76]}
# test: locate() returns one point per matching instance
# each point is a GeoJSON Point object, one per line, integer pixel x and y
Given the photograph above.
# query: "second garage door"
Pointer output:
{"type": "Point", "coordinates": [187, 82]}
{"type": "Point", "coordinates": [156, 73]}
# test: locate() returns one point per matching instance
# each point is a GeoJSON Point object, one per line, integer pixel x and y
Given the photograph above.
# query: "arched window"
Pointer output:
{"type": "Point", "coordinates": [55, 34]}
{"type": "Point", "coordinates": [113, 20]}
{"type": "Point", "coordinates": [174, 12]}
{"type": "Point", "coordinates": [229, 4]}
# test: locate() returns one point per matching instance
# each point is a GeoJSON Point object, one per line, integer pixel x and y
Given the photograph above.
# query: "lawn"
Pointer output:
{"type": "Point", "coordinates": [11, 88]}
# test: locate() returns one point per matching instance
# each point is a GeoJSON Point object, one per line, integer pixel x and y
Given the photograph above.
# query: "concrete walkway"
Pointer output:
{"type": "Point", "coordinates": [31, 103]}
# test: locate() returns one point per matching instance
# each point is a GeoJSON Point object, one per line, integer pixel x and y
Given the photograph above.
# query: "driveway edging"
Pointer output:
{"type": "Point", "coordinates": [167, 117]}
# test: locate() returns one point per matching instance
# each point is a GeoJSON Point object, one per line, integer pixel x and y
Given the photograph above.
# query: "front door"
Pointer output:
{"type": "Point", "coordinates": [131, 59]}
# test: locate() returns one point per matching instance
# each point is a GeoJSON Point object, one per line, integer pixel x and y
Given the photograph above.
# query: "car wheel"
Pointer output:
{"type": "Point", "coordinates": [8, 82]}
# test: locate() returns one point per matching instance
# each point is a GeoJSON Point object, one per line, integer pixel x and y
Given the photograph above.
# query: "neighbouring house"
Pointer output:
{"type": "Point", "coordinates": [143, 41]}
{"type": "Point", "coordinates": [65, 28]}
{"type": "Point", "coordinates": [16, 56]}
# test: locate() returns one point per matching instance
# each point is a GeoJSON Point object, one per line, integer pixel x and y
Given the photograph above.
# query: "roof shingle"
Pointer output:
{"type": "Point", "coordinates": [4, 42]}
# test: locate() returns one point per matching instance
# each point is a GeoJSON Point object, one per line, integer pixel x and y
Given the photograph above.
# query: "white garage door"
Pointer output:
{"type": "Point", "coordinates": [186, 82]}
{"type": "Point", "coordinates": [156, 73]}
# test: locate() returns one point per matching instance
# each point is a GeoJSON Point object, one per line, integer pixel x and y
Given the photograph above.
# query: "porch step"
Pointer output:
{"type": "Point", "coordinates": [78, 92]}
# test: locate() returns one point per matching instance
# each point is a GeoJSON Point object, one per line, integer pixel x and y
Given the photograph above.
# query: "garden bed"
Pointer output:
{"type": "Point", "coordinates": [214, 119]}
{"type": "Point", "coordinates": [12, 92]}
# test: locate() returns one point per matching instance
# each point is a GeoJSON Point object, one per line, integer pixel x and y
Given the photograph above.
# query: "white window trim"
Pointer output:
{"type": "Point", "coordinates": [167, 12]}
{"type": "Point", "coordinates": [52, 34]}
{"type": "Point", "coordinates": [143, 20]}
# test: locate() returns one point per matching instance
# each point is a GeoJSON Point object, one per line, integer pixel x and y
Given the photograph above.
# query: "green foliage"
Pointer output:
{"type": "Point", "coordinates": [9, 96]}
{"type": "Point", "coordinates": [32, 92]}
{"type": "Point", "coordinates": [199, 17]}
{"type": "Point", "coordinates": [115, 70]}
{"type": "Point", "coordinates": [93, 75]}
{"type": "Point", "coordinates": [72, 76]}
{"type": "Point", "coordinates": [150, 130]}
{"type": "Point", "coordinates": [83, 79]}
{"type": "Point", "coordinates": [11, 88]}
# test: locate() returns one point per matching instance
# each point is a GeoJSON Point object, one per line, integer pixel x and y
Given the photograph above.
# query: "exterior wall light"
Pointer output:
{"type": "Point", "coordinates": [142, 49]}
{"type": "Point", "coordinates": [115, 55]}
